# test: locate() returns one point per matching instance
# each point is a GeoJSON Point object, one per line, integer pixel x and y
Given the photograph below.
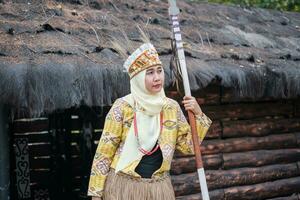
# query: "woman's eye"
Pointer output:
{"type": "Point", "coordinates": [149, 72]}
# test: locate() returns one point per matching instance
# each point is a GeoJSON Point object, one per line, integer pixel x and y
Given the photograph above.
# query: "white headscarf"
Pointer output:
{"type": "Point", "coordinates": [148, 107]}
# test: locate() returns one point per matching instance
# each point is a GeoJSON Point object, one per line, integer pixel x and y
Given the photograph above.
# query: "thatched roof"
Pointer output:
{"type": "Point", "coordinates": [55, 55]}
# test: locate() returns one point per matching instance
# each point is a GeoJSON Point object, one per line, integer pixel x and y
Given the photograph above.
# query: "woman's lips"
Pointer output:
{"type": "Point", "coordinates": [157, 86]}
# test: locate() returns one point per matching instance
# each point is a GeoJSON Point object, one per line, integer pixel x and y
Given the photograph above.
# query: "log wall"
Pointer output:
{"type": "Point", "coordinates": [252, 150]}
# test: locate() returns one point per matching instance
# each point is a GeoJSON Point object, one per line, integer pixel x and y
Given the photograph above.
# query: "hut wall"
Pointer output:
{"type": "Point", "coordinates": [58, 158]}
{"type": "Point", "coordinates": [252, 150]}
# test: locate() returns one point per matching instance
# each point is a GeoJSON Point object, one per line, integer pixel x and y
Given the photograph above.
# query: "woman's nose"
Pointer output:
{"type": "Point", "coordinates": [156, 77]}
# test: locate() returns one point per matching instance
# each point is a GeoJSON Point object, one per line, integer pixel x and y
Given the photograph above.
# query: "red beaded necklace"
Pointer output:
{"type": "Point", "coordinates": [138, 140]}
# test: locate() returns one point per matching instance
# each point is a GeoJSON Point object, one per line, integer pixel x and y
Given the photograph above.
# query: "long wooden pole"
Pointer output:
{"type": "Point", "coordinates": [173, 12]}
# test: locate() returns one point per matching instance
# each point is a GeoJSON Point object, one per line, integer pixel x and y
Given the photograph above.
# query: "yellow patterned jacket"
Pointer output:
{"type": "Point", "coordinates": [175, 135]}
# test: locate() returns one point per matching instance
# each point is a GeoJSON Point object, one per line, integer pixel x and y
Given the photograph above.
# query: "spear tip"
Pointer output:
{"type": "Point", "coordinates": [173, 9]}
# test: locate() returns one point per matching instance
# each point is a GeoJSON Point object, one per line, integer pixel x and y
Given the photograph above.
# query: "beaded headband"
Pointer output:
{"type": "Point", "coordinates": [142, 58]}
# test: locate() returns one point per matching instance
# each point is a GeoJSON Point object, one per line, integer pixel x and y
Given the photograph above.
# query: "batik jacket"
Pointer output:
{"type": "Point", "coordinates": [175, 135]}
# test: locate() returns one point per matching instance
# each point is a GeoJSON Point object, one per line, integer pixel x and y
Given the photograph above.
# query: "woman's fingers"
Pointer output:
{"type": "Point", "coordinates": [188, 97]}
{"type": "Point", "coordinates": [189, 108]}
{"type": "Point", "coordinates": [191, 104]}
{"type": "Point", "coordinates": [189, 101]}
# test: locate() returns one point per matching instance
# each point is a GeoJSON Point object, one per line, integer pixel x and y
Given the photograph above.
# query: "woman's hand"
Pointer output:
{"type": "Point", "coordinates": [191, 104]}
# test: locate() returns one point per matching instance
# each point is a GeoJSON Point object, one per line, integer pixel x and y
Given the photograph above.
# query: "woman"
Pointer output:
{"type": "Point", "coordinates": [141, 132]}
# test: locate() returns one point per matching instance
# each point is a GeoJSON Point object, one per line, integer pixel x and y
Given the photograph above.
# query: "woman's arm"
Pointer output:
{"type": "Point", "coordinates": [108, 144]}
{"type": "Point", "coordinates": [184, 137]}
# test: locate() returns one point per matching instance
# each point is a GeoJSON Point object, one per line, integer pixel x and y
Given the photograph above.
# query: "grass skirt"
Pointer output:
{"type": "Point", "coordinates": [125, 187]}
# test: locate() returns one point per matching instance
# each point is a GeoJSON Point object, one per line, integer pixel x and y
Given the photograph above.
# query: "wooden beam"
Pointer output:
{"type": "Point", "coordinates": [209, 95]}
{"type": "Point", "coordinates": [297, 108]}
{"type": "Point", "coordinates": [215, 130]}
{"type": "Point", "coordinates": [249, 110]}
{"type": "Point", "coordinates": [259, 127]}
{"type": "Point", "coordinates": [260, 158]}
{"type": "Point", "coordinates": [228, 96]}
{"type": "Point", "coordinates": [219, 194]}
{"type": "Point", "coordinates": [277, 188]}
{"type": "Point", "coordinates": [4, 154]}
{"type": "Point", "coordinates": [188, 164]}
{"type": "Point", "coordinates": [215, 146]}
{"type": "Point", "coordinates": [33, 125]}
{"type": "Point", "coordinates": [288, 140]}
{"type": "Point", "coordinates": [292, 197]}
{"type": "Point", "coordinates": [237, 160]}
{"type": "Point", "coordinates": [217, 179]}
{"type": "Point", "coordinates": [280, 190]}
{"type": "Point", "coordinates": [215, 194]}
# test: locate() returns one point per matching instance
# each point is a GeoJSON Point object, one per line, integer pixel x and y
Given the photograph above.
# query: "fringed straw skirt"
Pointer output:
{"type": "Point", "coordinates": [125, 187]}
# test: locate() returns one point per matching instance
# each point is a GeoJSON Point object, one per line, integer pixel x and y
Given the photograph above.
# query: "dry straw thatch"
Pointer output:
{"type": "Point", "coordinates": [58, 54]}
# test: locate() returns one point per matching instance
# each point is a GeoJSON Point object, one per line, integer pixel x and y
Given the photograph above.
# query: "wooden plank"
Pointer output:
{"type": "Point", "coordinates": [40, 176]}
{"type": "Point", "coordinates": [39, 163]}
{"type": "Point", "coordinates": [30, 126]}
{"type": "Point", "coordinates": [237, 160]}
{"type": "Point", "coordinates": [45, 162]}
{"type": "Point", "coordinates": [260, 158]}
{"type": "Point", "coordinates": [228, 96]}
{"type": "Point", "coordinates": [36, 137]}
{"type": "Point", "coordinates": [298, 139]}
{"type": "Point", "coordinates": [259, 127]}
{"type": "Point", "coordinates": [277, 188]}
{"type": "Point", "coordinates": [45, 137]}
{"type": "Point", "coordinates": [188, 164]}
{"type": "Point", "coordinates": [44, 176]}
{"type": "Point", "coordinates": [40, 125]}
{"type": "Point", "coordinates": [249, 143]}
{"type": "Point", "coordinates": [40, 149]}
{"type": "Point", "coordinates": [214, 131]}
{"type": "Point", "coordinates": [249, 110]}
{"type": "Point", "coordinates": [247, 176]}
{"type": "Point", "coordinates": [280, 190]}
{"type": "Point", "coordinates": [216, 179]}
{"type": "Point", "coordinates": [209, 95]}
{"type": "Point", "coordinates": [44, 149]}
{"type": "Point", "coordinates": [5, 154]}
{"type": "Point", "coordinates": [215, 146]}
{"type": "Point", "coordinates": [213, 195]}
{"type": "Point", "coordinates": [297, 108]}
{"type": "Point", "coordinates": [76, 124]}
{"type": "Point", "coordinates": [292, 197]}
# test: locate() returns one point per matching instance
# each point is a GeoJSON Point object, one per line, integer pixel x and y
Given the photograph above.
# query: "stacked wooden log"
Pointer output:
{"type": "Point", "coordinates": [252, 150]}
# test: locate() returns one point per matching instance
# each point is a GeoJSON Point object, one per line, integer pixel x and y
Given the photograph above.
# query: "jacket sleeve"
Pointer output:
{"type": "Point", "coordinates": [107, 146]}
{"type": "Point", "coordinates": [184, 136]}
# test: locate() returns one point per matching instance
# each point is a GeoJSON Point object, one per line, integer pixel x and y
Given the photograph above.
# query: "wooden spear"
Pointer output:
{"type": "Point", "coordinates": [173, 12]}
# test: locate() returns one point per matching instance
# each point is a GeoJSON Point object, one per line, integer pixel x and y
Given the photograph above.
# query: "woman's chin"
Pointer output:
{"type": "Point", "coordinates": [155, 90]}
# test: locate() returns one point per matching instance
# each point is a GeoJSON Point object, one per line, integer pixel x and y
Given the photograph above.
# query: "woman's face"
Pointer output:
{"type": "Point", "coordinates": [154, 79]}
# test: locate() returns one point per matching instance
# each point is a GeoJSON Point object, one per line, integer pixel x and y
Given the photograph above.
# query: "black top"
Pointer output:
{"type": "Point", "coordinates": [149, 164]}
